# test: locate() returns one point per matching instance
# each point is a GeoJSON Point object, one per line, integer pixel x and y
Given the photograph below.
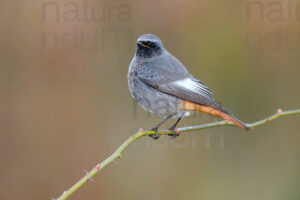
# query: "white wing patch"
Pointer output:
{"type": "Point", "coordinates": [194, 86]}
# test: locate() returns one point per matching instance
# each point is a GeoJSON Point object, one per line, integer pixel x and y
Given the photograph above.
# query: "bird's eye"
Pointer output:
{"type": "Point", "coordinates": [151, 44]}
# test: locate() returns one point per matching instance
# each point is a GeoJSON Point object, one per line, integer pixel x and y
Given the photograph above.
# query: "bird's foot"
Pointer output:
{"type": "Point", "coordinates": [155, 136]}
{"type": "Point", "coordinates": [175, 133]}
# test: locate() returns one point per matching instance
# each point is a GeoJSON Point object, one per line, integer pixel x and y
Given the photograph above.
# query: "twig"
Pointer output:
{"type": "Point", "coordinates": [141, 133]}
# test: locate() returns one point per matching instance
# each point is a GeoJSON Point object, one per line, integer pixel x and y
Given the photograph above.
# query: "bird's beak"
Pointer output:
{"type": "Point", "coordinates": [140, 43]}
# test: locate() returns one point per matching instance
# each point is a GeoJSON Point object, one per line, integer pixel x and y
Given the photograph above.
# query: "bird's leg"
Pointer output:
{"type": "Point", "coordinates": [155, 128]}
{"type": "Point", "coordinates": [172, 128]}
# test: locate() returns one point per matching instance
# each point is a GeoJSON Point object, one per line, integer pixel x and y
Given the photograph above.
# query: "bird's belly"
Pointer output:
{"type": "Point", "coordinates": [152, 100]}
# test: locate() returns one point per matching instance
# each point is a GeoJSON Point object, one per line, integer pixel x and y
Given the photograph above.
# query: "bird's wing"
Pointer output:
{"type": "Point", "coordinates": [170, 76]}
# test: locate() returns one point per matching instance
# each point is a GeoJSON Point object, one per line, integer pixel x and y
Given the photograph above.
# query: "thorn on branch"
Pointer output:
{"type": "Point", "coordinates": [88, 178]}
{"type": "Point", "coordinates": [279, 111]}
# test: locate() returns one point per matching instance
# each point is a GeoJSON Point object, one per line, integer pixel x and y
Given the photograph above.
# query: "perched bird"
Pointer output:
{"type": "Point", "coordinates": [162, 85]}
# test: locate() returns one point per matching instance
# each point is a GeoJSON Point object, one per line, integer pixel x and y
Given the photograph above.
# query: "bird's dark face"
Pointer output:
{"type": "Point", "coordinates": [149, 46]}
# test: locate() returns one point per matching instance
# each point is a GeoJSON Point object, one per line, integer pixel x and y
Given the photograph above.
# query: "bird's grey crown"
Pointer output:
{"type": "Point", "coordinates": [149, 37]}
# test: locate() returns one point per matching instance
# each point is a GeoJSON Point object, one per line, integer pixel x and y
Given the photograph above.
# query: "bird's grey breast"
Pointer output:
{"type": "Point", "coordinates": [147, 96]}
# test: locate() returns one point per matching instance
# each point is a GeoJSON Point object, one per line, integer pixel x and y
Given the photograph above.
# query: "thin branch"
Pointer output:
{"type": "Point", "coordinates": [141, 133]}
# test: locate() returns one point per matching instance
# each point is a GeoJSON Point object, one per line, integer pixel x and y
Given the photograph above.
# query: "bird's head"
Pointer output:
{"type": "Point", "coordinates": [149, 45]}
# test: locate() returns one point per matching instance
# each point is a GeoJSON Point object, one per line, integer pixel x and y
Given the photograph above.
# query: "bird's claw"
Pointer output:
{"type": "Point", "coordinates": [174, 134]}
{"type": "Point", "coordinates": [155, 136]}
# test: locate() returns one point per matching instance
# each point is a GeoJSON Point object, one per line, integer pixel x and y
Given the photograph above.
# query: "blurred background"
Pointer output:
{"type": "Point", "coordinates": [65, 103]}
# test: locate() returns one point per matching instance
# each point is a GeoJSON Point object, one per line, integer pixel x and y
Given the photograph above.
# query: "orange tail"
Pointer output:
{"type": "Point", "coordinates": [190, 106]}
{"type": "Point", "coordinates": [234, 121]}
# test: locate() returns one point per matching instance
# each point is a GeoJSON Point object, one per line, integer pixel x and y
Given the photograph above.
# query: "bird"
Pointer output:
{"type": "Point", "coordinates": [162, 85]}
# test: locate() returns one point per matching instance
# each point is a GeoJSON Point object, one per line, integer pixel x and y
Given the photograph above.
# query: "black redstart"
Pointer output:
{"type": "Point", "coordinates": [161, 84]}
